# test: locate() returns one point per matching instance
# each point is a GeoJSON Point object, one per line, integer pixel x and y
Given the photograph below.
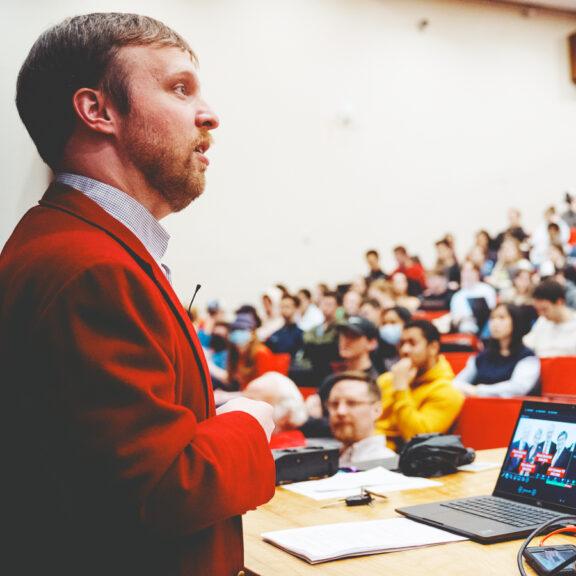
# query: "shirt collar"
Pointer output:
{"type": "Point", "coordinates": [125, 209]}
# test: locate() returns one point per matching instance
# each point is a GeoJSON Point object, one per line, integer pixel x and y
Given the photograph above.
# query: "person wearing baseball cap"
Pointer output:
{"type": "Point", "coordinates": [357, 338]}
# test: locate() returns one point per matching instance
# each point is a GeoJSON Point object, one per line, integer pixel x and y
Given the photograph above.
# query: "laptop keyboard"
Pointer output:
{"type": "Point", "coordinates": [505, 511]}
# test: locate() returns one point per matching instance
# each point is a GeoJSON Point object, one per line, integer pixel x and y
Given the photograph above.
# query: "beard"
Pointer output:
{"type": "Point", "coordinates": [344, 431]}
{"type": "Point", "coordinates": [168, 166]}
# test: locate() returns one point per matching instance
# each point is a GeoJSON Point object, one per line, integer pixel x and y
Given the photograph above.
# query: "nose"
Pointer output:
{"type": "Point", "coordinates": [206, 118]}
{"type": "Point", "coordinates": [342, 408]}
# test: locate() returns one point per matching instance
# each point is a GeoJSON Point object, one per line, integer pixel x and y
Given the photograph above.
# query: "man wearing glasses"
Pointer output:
{"type": "Point", "coordinates": [354, 405]}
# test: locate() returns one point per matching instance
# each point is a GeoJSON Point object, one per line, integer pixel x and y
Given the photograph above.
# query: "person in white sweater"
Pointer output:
{"type": "Point", "coordinates": [554, 333]}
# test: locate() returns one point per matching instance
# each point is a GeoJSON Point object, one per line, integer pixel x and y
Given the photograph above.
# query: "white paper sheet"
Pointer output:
{"type": "Point", "coordinates": [342, 485]}
{"type": "Point", "coordinates": [479, 466]}
{"type": "Point", "coordinates": [331, 541]}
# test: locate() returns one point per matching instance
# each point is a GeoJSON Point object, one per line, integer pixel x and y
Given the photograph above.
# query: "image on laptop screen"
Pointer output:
{"type": "Point", "coordinates": [540, 464]}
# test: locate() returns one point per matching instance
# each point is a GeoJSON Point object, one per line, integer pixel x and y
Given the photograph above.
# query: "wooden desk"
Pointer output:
{"type": "Point", "coordinates": [289, 510]}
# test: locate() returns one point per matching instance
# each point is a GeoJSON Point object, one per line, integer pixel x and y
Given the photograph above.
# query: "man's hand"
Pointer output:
{"type": "Point", "coordinates": [403, 373]}
{"type": "Point", "coordinates": [262, 411]}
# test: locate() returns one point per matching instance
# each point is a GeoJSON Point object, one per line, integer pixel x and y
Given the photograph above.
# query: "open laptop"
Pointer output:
{"type": "Point", "coordinates": [537, 481]}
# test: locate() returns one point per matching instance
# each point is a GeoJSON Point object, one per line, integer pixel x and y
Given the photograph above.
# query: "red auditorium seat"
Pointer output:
{"type": "Point", "coordinates": [457, 360]}
{"type": "Point", "coordinates": [487, 422]}
{"type": "Point", "coordinates": [429, 314]}
{"type": "Point", "coordinates": [459, 343]}
{"type": "Point", "coordinates": [307, 390]}
{"type": "Point", "coordinates": [558, 375]}
{"type": "Point", "coordinates": [273, 363]}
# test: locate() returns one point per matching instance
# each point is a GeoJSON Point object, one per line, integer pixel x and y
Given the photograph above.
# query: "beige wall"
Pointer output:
{"type": "Point", "coordinates": [343, 126]}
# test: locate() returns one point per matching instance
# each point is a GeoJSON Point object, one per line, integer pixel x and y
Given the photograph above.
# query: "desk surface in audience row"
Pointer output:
{"type": "Point", "coordinates": [289, 510]}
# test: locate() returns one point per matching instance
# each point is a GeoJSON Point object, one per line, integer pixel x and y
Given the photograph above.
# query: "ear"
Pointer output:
{"type": "Point", "coordinates": [376, 410]}
{"type": "Point", "coordinates": [372, 344]}
{"type": "Point", "coordinates": [435, 348]}
{"type": "Point", "coordinates": [94, 110]}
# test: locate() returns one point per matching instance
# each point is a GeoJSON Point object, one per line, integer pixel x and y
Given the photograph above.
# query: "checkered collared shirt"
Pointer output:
{"type": "Point", "coordinates": [126, 210]}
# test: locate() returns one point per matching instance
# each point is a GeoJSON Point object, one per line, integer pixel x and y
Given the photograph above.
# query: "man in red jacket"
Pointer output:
{"type": "Point", "coordinates": [115, 461]}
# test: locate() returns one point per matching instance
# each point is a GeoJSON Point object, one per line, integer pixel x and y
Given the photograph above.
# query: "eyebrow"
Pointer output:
{"type": "Point", "coordinates": [187, 75]}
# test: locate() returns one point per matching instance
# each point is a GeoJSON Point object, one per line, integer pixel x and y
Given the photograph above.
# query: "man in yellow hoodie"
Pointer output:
{"type": "Point", "coordinates": [417, 394]}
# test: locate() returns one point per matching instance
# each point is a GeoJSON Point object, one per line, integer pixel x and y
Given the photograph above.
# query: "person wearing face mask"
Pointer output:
{"type": "Point", "coordinates": [393, 322]}
{"type": "Point", "coordinates": [507, 367]}
{"type": "Point", "coordinates": [246, 353]}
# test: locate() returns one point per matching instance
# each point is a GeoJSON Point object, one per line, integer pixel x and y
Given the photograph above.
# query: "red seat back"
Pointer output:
{"type": "Point", "coordinates": [273, 363]}
{"type": "Point", "coordinates": [429, 314]}
{"type": "Point", "coordinates": [459, 341]}
{"type": "Point", "coordinates": [457, 360]}
{"type": "Point", "coordinates": [558, 375]}
{"type": "Point", "coordinates": [487, 422]}
{"type": "Point", "coordinates": [307, 391]}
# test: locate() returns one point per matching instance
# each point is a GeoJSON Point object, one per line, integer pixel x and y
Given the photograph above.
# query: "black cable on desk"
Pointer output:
{"type": "Point", "coordinates": [559, 520]}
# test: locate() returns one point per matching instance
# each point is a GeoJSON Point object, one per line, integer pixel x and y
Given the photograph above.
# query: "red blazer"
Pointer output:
{"type": "Point", "coordinates": [113, 460]}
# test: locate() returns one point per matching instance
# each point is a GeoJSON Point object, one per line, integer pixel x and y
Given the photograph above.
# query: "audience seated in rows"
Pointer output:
{"type": "Point", "coordinates": [417, 394]}
{"type": "Point", "coordinates": [289, 338]}
{"type": "Point", "coordinates": [328, 346]}
{"type": "Point", "coordinates": [354, 405]}
{"type": "Point", "coordinates": [506, 367]}
{"type": "Point", "coordinates": [554, 333]}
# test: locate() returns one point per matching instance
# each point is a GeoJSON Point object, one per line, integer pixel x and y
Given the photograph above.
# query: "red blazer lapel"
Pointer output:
{"type": "Point", "coordinates": [62, 197]}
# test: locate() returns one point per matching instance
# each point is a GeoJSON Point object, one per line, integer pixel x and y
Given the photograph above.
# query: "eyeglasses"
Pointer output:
{"type": "Point", "coordinates": [333, 405]}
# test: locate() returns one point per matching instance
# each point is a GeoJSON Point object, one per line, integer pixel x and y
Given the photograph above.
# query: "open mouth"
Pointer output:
{"type": "Point", "coordinates": [202, 147]}
{"type": "Point", "coordinates": [201, 150]}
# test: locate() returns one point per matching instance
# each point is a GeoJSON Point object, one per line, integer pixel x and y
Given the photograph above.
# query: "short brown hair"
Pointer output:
{"type": "Point", "coordinates": [372, 388]}
{"type": "Point", "coordinates": [80, 52]}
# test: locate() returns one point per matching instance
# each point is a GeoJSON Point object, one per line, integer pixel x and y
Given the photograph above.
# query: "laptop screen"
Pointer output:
{"type": "Point", "coordinates": [540, 464]}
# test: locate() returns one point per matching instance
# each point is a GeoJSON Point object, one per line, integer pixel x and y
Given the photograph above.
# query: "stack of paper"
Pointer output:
{"type": "Point", "coordinates": [342, 485]}
{"type": "Point", "coordinates": [332, 541]}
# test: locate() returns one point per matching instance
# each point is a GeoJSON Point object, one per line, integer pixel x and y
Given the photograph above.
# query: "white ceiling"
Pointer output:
{"type": "Point", "coordinates": [569, 5]}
